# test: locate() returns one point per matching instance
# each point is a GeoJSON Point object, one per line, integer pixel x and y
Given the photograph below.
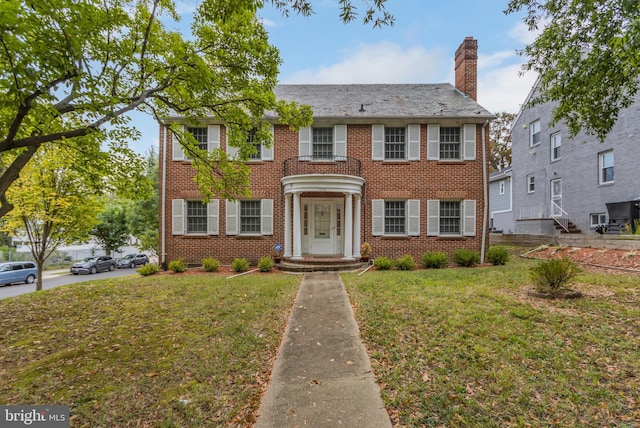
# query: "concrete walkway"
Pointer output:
{"type": "Point", "coordinates": [322, 375]}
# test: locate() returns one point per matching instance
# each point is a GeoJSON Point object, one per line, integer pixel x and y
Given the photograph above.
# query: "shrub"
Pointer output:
{"type": "Point", "coordinates": [240, 265]}
{"type": "Point", "coordinates": [551, 275]}
{"type": "Point", "coordinates": [148, 269]}
{"type": "Point", "coordinates": [435, 259]}
{"type": "Point", "coordinates": [177, 265]}
{"type": "Point", "coordinates": [383, 263]}
{"type": "Point", "coordinates": [405, 262]}
{"type": "Point", "coordinates": [497, 255]}
{"type": "Point", "coordinates": [211, 264]}
{"type": "Point", "coordinates": [265, 264]}
{"type": "Point", "coordinates": [467, 258]}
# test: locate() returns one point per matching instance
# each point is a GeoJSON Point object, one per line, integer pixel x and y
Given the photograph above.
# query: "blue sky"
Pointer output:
{"type": "Point", "coordinates": [419, 48]}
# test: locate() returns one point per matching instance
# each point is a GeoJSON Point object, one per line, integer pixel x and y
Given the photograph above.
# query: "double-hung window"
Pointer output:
{"type": "Point", "coordinates": [531, 183]}
{"type": "Point", "coordinates": [394, 143]}
{"type": "Point", "coordinates": [605, 160]}
{"type": "Point", "coordinates": [534, 133]}
{"type": "Point", "coordinates": [322, 143]}
{"type": "Point", "coordinates": [451, 217]}
{"type": "Point", "coordinates": [394, 217]}
{"type": "Point", "coordinates": [449, 142]}
{"type": "Point", "coordinates": [193, 217]}
{"type": "Point", "coordinates": [196, 217]}
{"type": "Point", "coordinates": [200, 135]}
{"type": "Point", "coordinates": [556, 145]}
{"type": "Point", "coordinates": [250, 217]}
{"type": "Point", "coordinates": [256, 154]}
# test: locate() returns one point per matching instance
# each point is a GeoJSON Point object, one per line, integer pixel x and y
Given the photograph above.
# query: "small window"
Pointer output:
{"type": "Point", "coordinates": [322, 143]}
{"type": "Point", "coordinates": [450, 217]}
{"type": "Point", "coordinates": [606, 167]}
{"type": "Point", "coordinates": [449, 142]}
{"type": "Point", "coordinates": [394, 143]}
{"type": "Point", "coordinates": [502, 186]}
{"type": "Point", "coordinates": [556, 144]}
{"type": "Point", "coordinates": [200, 134]}
{"type": "Point", "coordinates": [534, 133]}
{"type": "Point", "coordinates": [531, 183]}
{"type": "Point", "coordinates": [598, 219]}
{"type": "Point", "coordinates": [394, 217]}
{"type": "Point", "coordinates": [196, 217]}
{"type": "Point", "coordinates": [250, 216]}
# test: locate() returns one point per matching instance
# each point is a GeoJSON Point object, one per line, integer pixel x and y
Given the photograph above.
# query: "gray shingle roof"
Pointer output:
{"type": "Point", "coordinates": [417, 101]}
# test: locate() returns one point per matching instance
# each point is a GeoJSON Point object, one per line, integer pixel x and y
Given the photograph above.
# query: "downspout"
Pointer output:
{"type": "Point", "coordinates": [485, 192]}
{"type": "Point", "coordinates": [163, 254]}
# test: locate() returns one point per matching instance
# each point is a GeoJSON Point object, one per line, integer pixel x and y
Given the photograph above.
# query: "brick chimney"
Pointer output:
{"type": "Point", "coordinates": [467, 67]}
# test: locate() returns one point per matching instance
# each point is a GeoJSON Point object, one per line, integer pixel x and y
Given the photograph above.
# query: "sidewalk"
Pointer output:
{"type": "Point", "coordinates": [322, 375]}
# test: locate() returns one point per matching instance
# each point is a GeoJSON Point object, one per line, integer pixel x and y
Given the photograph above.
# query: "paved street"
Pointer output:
{"type": "Point", "coordinates": [54, 279]}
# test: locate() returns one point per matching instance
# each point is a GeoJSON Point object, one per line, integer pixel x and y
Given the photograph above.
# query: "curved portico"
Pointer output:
{"type": "Point", "coordinates": [327, 220]}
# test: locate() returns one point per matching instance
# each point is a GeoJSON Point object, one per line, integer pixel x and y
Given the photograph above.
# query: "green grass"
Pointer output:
{"type": "Point", "coordinates": [466, 347]}
{"type": "Point", "coordinates": [165, 350]}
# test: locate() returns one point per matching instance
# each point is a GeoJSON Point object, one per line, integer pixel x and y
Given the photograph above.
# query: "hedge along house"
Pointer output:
{"type": "Point", "coordinates": [401, 166]}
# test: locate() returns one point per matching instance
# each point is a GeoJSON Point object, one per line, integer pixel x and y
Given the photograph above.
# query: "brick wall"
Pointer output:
{"type": "Point", "coordinates": [421, 180]}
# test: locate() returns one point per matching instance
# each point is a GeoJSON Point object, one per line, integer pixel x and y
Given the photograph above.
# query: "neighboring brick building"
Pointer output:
{"type": "Point", "coordinates": [402, 166]}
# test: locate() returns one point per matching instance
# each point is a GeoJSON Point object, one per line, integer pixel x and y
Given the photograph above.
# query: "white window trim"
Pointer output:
{"type": "Point", "coordinates": [468, 215]}
{"type": "Point", "coordinates": [179, 217]}
{"type": "Point", "coordinates": [502, 187]}
{"type": "Point", "coordinates": [531, 133]}
{"type": "Point", "coordinates": [411, 145]}
{"type": "Point", "coordinates": [592, 225]}
{"type": "Point", "coordinates": [601, 167]}
{"type": "Point", "coordinates": [213, 142]}
{"type": "Point", "coordinates": [467, 142]}
{"type": "Point", "coordinates": [529, 177]}
{"type": "Point", "coordinates": [233, 218]}
{"type": "Point", "coordinates": [412, 217]}
{"type": "Point", "coordinates": [552, 138]}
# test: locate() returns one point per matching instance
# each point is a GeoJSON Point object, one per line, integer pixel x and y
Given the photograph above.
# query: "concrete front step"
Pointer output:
{"type": "Point", "coordinates": [320, 266]}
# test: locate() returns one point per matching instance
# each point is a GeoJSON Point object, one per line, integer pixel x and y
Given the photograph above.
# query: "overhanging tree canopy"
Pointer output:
{"type": "Point", "coordinates": [587, 57]}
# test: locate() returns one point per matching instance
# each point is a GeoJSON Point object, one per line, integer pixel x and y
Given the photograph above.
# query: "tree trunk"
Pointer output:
{"type": "Point", "coordinates": [40, 264]}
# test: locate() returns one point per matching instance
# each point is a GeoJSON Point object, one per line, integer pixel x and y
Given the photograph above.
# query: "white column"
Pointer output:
{"type": "Point", "coordinates": [287, 225]}
{"type": "Point", "coordinates": [356, 227]}
{"type": "Point", "coordinates": [348, 227]}
{"type": "Point", "coordinates": [297, 228]}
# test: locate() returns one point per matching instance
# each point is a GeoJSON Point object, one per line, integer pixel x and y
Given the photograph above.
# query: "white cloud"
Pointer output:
{"type": "Point", "coordinates": [383, 62]}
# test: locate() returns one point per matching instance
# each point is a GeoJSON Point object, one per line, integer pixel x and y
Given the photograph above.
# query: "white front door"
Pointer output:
{"type": "Point", "coordinates": [322, 227]}
{"type": "Point", "coordinates": [556, 198]}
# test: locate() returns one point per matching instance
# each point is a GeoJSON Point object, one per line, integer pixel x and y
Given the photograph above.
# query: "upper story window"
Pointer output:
{"type": "Point", "coordinates": [322, 143]}
{"type": "Point", "coordinates": [252, 140]}
{"type": "Point", "coordinates": [556, 144]}
{"type": "Point", "coordinates": [534, 133]}
{"type": "Point", "coordinates": [502, 187]}
{"type": "Point", "coordinates": [605, 160]}
{"type": "Point", "coordinates": [531, 183]}
{"type": "Point", "coordinates": [450, 142]}
{"type": "Point", "coordinates": [394, 143]}
{"type": "Point", "coordinates": [200, 134]}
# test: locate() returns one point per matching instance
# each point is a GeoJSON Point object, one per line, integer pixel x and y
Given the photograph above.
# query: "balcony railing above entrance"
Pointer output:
{"type": "Point", "coordinates": [342, 165]}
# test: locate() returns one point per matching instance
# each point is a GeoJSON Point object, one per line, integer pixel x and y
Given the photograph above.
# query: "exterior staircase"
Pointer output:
{"type": "Point", "coordinates": [570, 228]}
{"type": "Point", "coordinates": [320, 264]}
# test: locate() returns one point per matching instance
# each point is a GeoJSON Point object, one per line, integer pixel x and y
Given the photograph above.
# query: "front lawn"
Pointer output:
{"type": "Point", "coordinates": [467, 347]}
{"type": "Point", "coordinates": [166, 350]}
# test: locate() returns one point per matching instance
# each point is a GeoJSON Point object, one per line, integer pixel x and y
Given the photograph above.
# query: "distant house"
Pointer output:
{"type": "Point", "coordinates": [574, 184]}
{"type": "Point", "coordinates": [500, 202]}
{"type": "Point", "coordinates": [400, 166]}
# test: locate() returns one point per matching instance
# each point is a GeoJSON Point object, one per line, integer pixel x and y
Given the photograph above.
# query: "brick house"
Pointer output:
{"type": "Point", "coordinates": [401, 166]}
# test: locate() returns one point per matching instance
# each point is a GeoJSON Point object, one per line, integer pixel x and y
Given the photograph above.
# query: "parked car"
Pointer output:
{"type": "Point", "coordinates": [133, 260]}
{"type": "Point", "coordinates": [11, 272]}
{"type": "Point", "coordinates": [93, 265]}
